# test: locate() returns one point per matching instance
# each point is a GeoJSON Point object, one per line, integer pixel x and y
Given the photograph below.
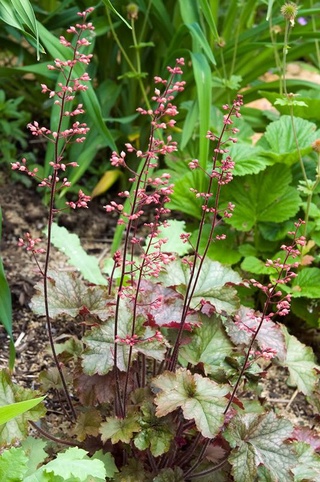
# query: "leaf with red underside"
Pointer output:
{"type": "Point", "coordinates": [306, 434]}
{"type": "Point", "coordinates": [163, 307]}
{"type": "Point", "coordinates": [213, 284]}
{"type": "Point", "coordinates": [269, 336]}
{"type": "Point", "coordinates": [72, 296]}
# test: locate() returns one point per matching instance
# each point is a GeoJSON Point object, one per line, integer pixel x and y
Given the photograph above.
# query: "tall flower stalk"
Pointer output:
{"type": "Point", "coordinates": [64, 97]}
{"type": "Point", "coordinates": [148, 191]}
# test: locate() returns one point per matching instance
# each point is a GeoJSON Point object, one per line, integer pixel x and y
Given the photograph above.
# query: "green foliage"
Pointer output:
{"type": "Point", "coordinates": [199, 398]}
{"type": "Point", "coordinates": [12, 127]}
{"type": "Point", "coordinates": [8, 412]}
{"type": "Point", "coordinates": [73, 465]}
{"type": "Point", "coordinates": [5, 304]}
{"type": "Point", "coordinates": [69, 244]}
{"type": "Point", "coordinates": [19, 403]}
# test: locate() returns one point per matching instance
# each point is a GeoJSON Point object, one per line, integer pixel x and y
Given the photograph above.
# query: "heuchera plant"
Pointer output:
{"type": "Point", "coordinates": [165, 381]}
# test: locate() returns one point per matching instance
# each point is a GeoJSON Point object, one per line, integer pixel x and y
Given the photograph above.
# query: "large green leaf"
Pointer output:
{"type": "Point", "coordinates": [265, 197]}
{"type": "Point", "coordinates": [199, 398]}
{"type": "Point", "coordinates": [247, 159]}
{"type": "Point", "coordinates": [301, 363]}
{"type": "Point", "coordinates": [259, 440]}
{"type": "Point", "coordinates": [74, 465]}
{"type": "Point", "coordinates": [279, 140]}
{"type": "Point", "coordinates": [69, 244]}
{"type": "Point", "coordinates": [306, 284]}
{"type": "Point", "coordinates": [212, 284]}
{"type": "Point", "coordinates": [207, 344]}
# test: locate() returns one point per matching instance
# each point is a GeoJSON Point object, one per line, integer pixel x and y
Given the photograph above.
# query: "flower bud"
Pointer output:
{"type": "Point", "coordinates": [132, 11]}
{"type": "Point", "coordinates": [289, 12]}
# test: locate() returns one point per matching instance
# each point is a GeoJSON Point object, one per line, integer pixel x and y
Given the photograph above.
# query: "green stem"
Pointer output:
{"type": "Point", "coordinates": [126, 57]}
{"type": "Point", "coordinates": [285, 52]}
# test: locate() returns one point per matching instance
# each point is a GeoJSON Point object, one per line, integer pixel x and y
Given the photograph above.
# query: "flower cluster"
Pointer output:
{"type": "Point", "coordinates": [283, 268]}
{"type": "Point", "coordinates": [132, 340]}
{"type": "Point", "coordinates": [30, 244]}
{"type": "Point", "coordinates": [149, 191]}
{"type": "Point", "coordinates": [64, 96]}
{"type": "Point", "coordinates": [222, 165]}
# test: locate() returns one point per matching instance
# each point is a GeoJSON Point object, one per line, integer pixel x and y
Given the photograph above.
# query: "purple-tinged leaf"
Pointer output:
{"type": "Point", "coordinates": [245, 323]}
{"type": "Point", "coordinates": [307, 435]}
{"type": "Point", "coordinates": [199, 398]}
{"type": "Point", "coordinates": [70, 295]}
{"type": "Point", "coordinates": [162, 307]}
{"type": "Point", "coordinates": [98, 358]}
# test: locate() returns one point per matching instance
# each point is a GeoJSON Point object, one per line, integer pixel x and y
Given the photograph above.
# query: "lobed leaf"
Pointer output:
{"type": "Point", "coordinates": [34, 449]}
{"type": "Point", "coordinates": [170, 475]}
{"type": "Point", "coordinates": [300, 361]}
{"type": "Point", "coordinates": [119, 429]}
{"type": "Point", "coordinates": [269, 336]}
{"type": "Point", "coordinates": [213, 284]}
{"type": "Point", "coordinates": [207, 344]}
{"type": "Point", "coordinates": [260, 440]}
{"type": "Point", "coordinates": [309, 463]}
{"type": "Point", "coordinates": [264, 197]}
{"type": "Point", "coordinates": [279, 139]}
{"type": "Point", "coordinates": [13, 465]}
{"type": "Point", "coordinates": [73, 464]}
{"type": "Point", "coordinates": [68, 294]}
{"type": "Point", "coordinates": [248, 159]}
{"type": "Point", "coordinates": [99, 355]}
{"type": "Point", "coordinates": [306, 284]}
{"type": "Point", "coordinates": [199, 398]}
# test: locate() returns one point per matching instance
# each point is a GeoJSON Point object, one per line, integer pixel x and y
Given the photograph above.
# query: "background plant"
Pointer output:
{"type": "Point", "coordinates": [218, 37]}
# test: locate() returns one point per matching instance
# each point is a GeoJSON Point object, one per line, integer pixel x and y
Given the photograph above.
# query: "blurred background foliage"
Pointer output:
{"type": "Point", "coordinates": [227, 46]}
